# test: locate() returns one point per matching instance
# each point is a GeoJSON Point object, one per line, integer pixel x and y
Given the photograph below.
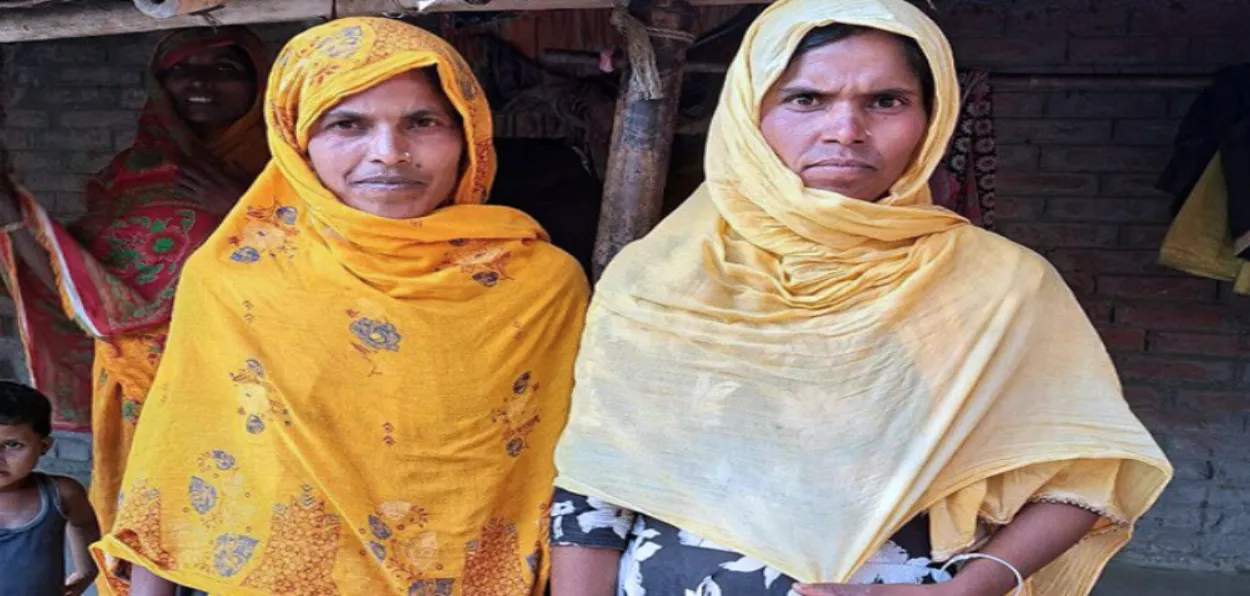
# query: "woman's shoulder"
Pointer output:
{"type": "Point", "coordinates": [989, 252]}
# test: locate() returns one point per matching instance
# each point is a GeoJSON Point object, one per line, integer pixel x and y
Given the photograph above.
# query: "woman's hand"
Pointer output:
{"type": "Point", "coordinates": [218, 190]}
{"type": "Point", "coordinates": [872, 590]}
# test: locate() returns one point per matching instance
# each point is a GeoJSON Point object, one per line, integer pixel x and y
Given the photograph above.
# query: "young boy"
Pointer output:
{"type": "Point", "coordinates": [35, 509]}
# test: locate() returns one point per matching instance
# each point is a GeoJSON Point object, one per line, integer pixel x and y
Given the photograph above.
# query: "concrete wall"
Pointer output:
{"type": "Point", "coordinates": [1074, 183]}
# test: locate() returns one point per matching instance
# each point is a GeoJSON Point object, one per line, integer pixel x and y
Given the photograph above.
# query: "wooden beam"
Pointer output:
{"type": "Point", "coordinates": [59, 21]}
{"type": "Point", "coordinates": [642, 133]}
{"type": "Point", "coordinates": [164, 9]}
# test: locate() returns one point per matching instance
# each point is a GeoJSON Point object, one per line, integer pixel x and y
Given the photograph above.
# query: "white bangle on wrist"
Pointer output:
{"type": "Point", "coordinates": [967, 557]}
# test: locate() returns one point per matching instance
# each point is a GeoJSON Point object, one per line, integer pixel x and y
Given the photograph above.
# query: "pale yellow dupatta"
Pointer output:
{"type": "Point", "coordinates": [794, 374]}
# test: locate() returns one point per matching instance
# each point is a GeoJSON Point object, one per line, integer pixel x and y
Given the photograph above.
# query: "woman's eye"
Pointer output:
{"type": "Point", "coordinates": [802, 100]}
{"type": "Point", "coordinates": [426, 122]}
{"type": "Point", "coordinates": [342, 125]}
{"type": "Point", "coordinates": [888, 102]}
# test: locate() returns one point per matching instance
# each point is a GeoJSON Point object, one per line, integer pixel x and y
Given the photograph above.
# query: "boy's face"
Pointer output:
{"type": "Point", "coordinates": [20, 449]}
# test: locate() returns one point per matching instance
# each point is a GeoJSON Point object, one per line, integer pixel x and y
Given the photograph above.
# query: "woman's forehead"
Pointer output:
{"type": "Point", "coordinates": [230, 53]}
{"type": "Point", "coordinates": [870, 57]}
{"type": "Point", "coordinates": [407, 91]}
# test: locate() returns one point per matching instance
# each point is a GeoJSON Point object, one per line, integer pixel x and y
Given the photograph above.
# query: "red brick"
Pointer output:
{"type": "Point", "coordinates": [1054, 130]}
{"type": "Point", "coordinates": [1145, 132]}
{"type": "Point", "coordinates": [1215, 407]}
{"type": "Point", "coordinates": [1060, 235]}
{"type": "Point", "coordinates": [1205, 344]}
{"type": "Point", "coordinates": [1027, 183]}
{"type": "Point", "coordinates": [1219, 51]}
{"type": "Point", "coordinates": [1099, 311]}
{"type": "Point", "coordinates": [13, 139]}
{"type": "Point", "coordinates": [1116, 339]}
{"type": "Point", "coordinates": [1109, 210]}
{"type": "Point", "coordinates": [1143, 397]}
{"type": "Point", "coordinates": [1179, 103]}
{"type": "Point", "coordinates": [1209, 17]}
{"type": "Point", "coordinates": [1095, 104]}
{"type": "Point", "coordinates": [122, 119]}
{"type": "Point", "coordinates": [1150, 368]}
{"type": "Point", "coordinates": [88, 162]}
{"type": "Point", "coordinates": [76, 51]}
{"type": "Point", "coordinates": [1159, 288]}
{"type": "Point", "coordinates": [1010, 51]}
{"type": "Point", "coordinates": [1081, 284]}
{"type": "Point", "coordinates": [1019, 208]}
{"type": "Point", "coordinates": [26, 161]}
{"type": "Point", "coordinates": [1108, 261]}
{"type": "Point", "coordinates": [43, 180]}
{"type": "Point", "coordinates": [25, 118]}
{"type": "Point", "coordinates": [1132, 185]}
{"type": "Point", "coordinates": [1128, 50]}
{"type": "Point", "coordinates": [74, 140]}
{"type": "Point", "coordinates": [1018, 105]}
{"type": "Point", "coordinates": [974, 21]}
{"type": "Point", "coordinates": [1078, 19]}
{"type": "Point", "coordinates": [1018, 158]}
{"type": "Point", "coordinates": [85, 97]}
{"type": "Point", "coordinates": [1194, 317]}
{"type": "Point", "coordinates": [1104, 159]}
{"type": "Point", "coordinates": [1143, 236]}
{"type": "Point", "coordinates": [95, 76]}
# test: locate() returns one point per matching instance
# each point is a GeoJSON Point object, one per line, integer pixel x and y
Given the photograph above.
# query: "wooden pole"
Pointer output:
{"type": "Point", "coordinates": [642, 133]}
{"type": "Point", "coordinates": [68, 20]}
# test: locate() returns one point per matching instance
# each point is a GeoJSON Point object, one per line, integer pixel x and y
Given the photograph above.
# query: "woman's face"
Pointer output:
{"type": "Point", "coordinates": [848, 116]}
{"type": "Point", "coordinates": [212, 89]}
{"type": "Point", "coordinates": [393, 150]}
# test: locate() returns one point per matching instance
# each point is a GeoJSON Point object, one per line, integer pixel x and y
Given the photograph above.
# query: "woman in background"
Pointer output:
{"type": "Point", "coordinates": [94, 299]}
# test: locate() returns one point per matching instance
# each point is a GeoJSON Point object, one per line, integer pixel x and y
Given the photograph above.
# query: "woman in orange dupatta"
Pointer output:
{"type": "Point", "coordinates": [367, 369]}
{"type": "Point", "coordinates": [94, 299]}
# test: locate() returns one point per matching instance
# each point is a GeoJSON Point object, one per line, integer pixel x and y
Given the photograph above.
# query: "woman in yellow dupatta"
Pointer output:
{"type": "Point", "coordinates": [808, 373]}
{"type": "Point", "coordinates": [367, 369]}
{"type": "Point", "coordinates": [93, 300]}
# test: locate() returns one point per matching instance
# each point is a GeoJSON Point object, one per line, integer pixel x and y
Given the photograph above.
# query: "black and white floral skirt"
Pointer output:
{"type": "Point", "coordinates": [659, 559]}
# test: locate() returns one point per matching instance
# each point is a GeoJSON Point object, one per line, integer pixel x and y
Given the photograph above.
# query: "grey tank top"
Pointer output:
{"type": "Point", "coordinates": [32, 557]}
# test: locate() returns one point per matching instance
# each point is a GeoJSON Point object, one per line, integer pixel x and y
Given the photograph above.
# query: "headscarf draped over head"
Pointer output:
{"type": "Point", "coordinates": [118, 266]}
{"type": "Point", "coordinates": [351, 404]}
{"type": "Point", "coordinates": [796, 374]}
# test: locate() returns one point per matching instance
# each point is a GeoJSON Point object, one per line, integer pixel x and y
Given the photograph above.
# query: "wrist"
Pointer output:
{"type": "Point", "coordinates": [980, 578]}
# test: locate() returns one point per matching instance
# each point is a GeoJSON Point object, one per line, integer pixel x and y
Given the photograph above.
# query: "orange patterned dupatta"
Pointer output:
{"type": "Point", "coordinates": [350, 404]}
{"type": "Point", "coordinates": [117, 267]}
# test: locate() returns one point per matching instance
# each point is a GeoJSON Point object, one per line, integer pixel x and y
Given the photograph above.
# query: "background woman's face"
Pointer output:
{"type": "Point", "coordinates": [212, 89]}
{"type": "Point", "coordinates": [393, 150]}
{"type": "Point", "coordinates": [848, 116]}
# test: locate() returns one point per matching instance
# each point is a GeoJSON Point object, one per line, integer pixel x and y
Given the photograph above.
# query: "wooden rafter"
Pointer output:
{"type": "Point", "coordinates": [59, 21]}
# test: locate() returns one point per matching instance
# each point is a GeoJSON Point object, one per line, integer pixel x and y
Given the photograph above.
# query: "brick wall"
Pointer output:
{"type": "Point", "coordinates": [1074, 182]}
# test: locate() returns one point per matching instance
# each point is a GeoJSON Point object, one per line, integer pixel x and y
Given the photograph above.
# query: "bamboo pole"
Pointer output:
{"type": "Point", "coordinates": [658, 33]}
{"type": "Point", "coordinates": [60, 21]}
